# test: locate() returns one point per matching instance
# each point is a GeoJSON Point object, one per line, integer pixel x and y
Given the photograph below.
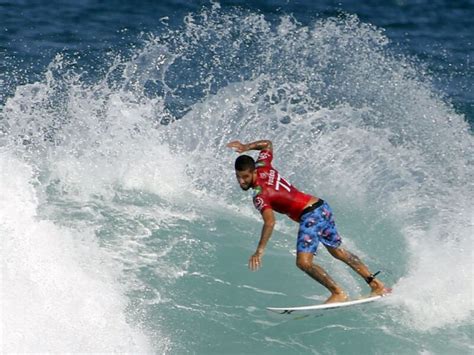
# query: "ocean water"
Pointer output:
{"type": "Point", "coordinates": [122, 226]}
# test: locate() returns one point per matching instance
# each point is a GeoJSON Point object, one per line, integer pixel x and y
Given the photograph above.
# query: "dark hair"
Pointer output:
{"type": "Point", "coordinates": [244, 162]}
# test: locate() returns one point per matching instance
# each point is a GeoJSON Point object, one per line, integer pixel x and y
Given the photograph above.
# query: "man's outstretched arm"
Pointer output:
{"type": "Point", "coordinates": [257, 145]}
{"type": "Point", "coordinates": [268, 224]}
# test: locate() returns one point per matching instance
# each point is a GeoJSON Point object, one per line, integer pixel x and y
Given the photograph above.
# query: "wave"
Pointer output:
{"type": "Point", "coordinates": [59, 290]}
{"type": "Point", "coordinates": [352, 121]}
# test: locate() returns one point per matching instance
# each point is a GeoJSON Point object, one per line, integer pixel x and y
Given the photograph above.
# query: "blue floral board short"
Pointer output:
{"type": "Point", "coordinates": [317, 226]}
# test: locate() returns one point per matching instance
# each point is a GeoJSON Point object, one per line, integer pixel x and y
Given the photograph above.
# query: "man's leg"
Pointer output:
{"type": "Point", "coordinates": [358, 266]}
{"type": "Point", "coordinates": [304, 261]}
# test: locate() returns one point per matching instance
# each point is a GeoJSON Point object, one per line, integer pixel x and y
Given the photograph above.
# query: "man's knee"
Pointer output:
{"type": "Point", "coordinates": [304, 264]}
{"type": "Point", "coordinates": [338, 253]}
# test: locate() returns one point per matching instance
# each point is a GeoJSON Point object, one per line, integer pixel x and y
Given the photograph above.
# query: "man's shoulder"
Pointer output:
{"type": "Point", "coordinates": [265, 154]}
{"type": "Point", "coordinates": [262, 189]}
{"type": "Point", "coordinates": [261, 164]}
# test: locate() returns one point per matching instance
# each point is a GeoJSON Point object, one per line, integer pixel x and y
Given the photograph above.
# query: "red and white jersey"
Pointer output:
{"type": "Point", "coordinates": [271, 190]}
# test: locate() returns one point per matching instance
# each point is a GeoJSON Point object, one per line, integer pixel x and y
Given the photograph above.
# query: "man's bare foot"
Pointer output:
{"type": "Point", "coordinates": [378, 288]}
{"type": "Point", "coordinates": [337, 297]}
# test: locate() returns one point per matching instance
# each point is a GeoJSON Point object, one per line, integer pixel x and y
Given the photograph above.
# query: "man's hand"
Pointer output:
{"type": "Point", "coordinates": [237, 146]}
{"type": "Point", "coordinates": [255, 261]}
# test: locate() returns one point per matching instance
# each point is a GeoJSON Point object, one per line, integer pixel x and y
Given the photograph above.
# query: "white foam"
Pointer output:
{"type": "Point", "coordinates": [58, 293]}
{"type": "Point", "coordinates": [437, 291]}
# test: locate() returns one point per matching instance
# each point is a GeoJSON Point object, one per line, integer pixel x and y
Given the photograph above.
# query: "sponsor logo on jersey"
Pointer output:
{"type": "Point", "coordinates": [263, 155]}
{"type": "Point", "coordinates": [271, 177]}
{"type": "Point", "coordinates": [259, 203]}
{"type": "Point", "coordinates": [260, 164]}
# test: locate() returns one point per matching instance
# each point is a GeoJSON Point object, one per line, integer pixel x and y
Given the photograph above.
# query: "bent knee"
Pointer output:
{"type": "Point", "coordinates": [304, 265]}
{"type": "Point", "coordinates": [338, 253]}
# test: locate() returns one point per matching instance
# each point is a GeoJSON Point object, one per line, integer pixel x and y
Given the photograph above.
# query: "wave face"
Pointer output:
{"type": "Point", "coordinates": [124, 230]}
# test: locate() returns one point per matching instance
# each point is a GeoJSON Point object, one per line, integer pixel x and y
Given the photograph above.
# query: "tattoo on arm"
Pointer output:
{"type": "Point", "coordinates": [260, 145]}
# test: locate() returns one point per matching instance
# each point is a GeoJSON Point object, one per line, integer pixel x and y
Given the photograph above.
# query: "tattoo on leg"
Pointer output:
{"type": "Point", "coordinates": [356, 264]}
{"type": "Point", "coordinates": [318, 274]}
{"type": "Point", "coordinates": [353, 259]}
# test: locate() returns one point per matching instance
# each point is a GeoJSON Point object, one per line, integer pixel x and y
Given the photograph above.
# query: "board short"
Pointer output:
{"type": "Point", "coordinates": [317, 225]}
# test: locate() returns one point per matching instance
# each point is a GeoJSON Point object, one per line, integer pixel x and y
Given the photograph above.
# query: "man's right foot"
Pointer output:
{"type": "Point", "coordinates": [337, 297]}
{"type": "Point", "coordinates": [378, 288]}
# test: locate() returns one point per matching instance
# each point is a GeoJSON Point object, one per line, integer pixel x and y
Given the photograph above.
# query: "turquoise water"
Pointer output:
{"type": "Point", "coordinates": [123, 228]}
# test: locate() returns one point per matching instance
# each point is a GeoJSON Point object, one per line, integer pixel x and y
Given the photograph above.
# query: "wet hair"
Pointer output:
{"type": "Point", "coordinates": [244, 162]}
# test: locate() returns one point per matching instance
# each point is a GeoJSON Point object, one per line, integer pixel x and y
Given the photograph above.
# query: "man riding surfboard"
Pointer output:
{"type": "Point", "coordinates": [316, 221]}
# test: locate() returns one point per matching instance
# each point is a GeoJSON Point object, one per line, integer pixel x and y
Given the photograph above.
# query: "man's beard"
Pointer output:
{"type": "Point", "coordinates": [246, 188]}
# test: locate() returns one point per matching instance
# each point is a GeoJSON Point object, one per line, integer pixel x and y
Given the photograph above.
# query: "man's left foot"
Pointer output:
{"type": "Point", "coordinates": [337, 297]}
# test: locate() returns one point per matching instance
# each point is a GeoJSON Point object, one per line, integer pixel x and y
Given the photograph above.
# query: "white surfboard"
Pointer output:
{"type": "Point", "coordinates": [322, 307]}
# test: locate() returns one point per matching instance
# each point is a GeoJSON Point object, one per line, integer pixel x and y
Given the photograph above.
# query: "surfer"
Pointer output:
{"type": "Point", "coordinates": [316, 221]}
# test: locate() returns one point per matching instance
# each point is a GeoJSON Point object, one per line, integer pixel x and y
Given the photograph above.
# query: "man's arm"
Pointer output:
{"type": "Point", "coordinates": [257, 145]}
{"type": "Point", "coordinates": [268, 223]}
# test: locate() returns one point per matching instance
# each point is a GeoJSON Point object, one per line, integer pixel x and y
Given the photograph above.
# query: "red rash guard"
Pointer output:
{"type": "Point", "coordinates": [272, 191]}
